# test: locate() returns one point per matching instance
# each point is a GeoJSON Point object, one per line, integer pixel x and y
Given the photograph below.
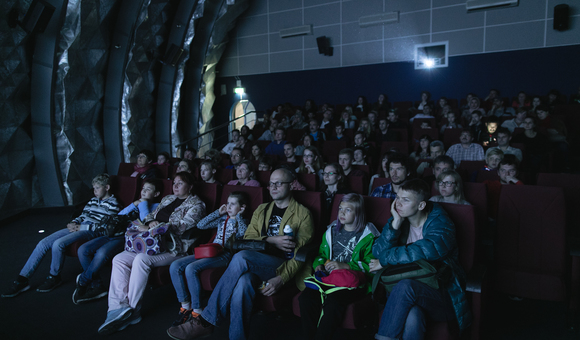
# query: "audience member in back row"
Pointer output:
{"type": "Point", "coordinates": [257, 152]}
{"type": "Point", "coordinates": [311, 162]}
{"type": "Point", "coordinates": [450, 187]}
{"type": "Point", "coordinates": [334, 180]}
{"type": "Point", "coordinates": [508, 173]}
{"type": "Point", "coordinates": [189, 154]}
{"type": "Point", "coordinates": [307, 140]}
{"type": "Point", "coordinates": [426, 114]}
{"type": "Point", "coordinates": [233, 143]}
{"type": "Point", "coordinates": [276, 148]}
{"type": "Point", "coordinates": [246, 132]}
{"type": "Point", "coordinates": [185, 165]}
{"type": "Point", "coordinates": [144, 167]}
{"type": "Point", "coordinates": [517, 122]}
{"type": "Point", "coordinates": [465, 150]}
{"type": "Point", "coordinates": [436, 149]}
{"type": "Point", "coordinates": [213, 155]}
{"type": "Point", "coordinates": [386, 133]}
{"type": "Point", "coordinates": [473, 106]}
{"type": "Point", "coordinates": [476, 126]}
{"type": "Point", "coordinates": [346, 121]}
{"type": "Point", "coordinates": [339, 134]}
{"type": "Point", "coordinates": [537, 145]}
{"type": "Point", "coordinates": [162, 158]}
{"type": "Point", "coordinates": [236, 290]}
{"type": "Point", "coordinates": [269, 133]}
{"type": "Point", "coordinates": [498, 109]}
{"type": "Point", "coordinates": [83, 228]}
{"type": "Point", "coordinates": [365, 127]}
{"type": "Point", "coordinates": [451, 123]}
{"type": "Point", "coordinates": [236, 158]}
{"type": "Point", "coordinates": [417, 230]}
{"type": "Point", "coordinates": [207, 171]}
{"type": "Point", "coordinates": [315, 133]}
{"type": "Point", "coordinates": [382, 103]}
{"type": "Point", "coordinates": [101, 250]}
{"type": "Point", "coordinates": [394, 122]}
{"type": "Point", "coordinates": [504, 136]}
{"type": "Point", "coordinates": [425, 100]}
{"type": "Point", "coordinates": [399, 171]}
{"type": "Point", "coordinates": [327, 122]}
{"type": "Point", "coordinates": [178, 215]}
{"type": "Point", "coordinates": [345, 159]}
{"type": "Point", "coordinates": [245, 174]}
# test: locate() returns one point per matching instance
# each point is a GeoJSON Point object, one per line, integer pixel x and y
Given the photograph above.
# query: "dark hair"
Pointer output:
{"type": "Point", "coordinates": [239, 149]}
{"type": "Point", "coordinates": [348, 152]}
{"type": "Point", "coordinates": [427, 93]}
{"type": "Point", "coordinates": [437, 143]}
{"type": "Point", "coordinates": [154, 182]}
{"type": "Point", "coordinates": [250, 166]}
{"type": "Point", "coordinates": [419, 187]}
{"type": "Point", "coordinates": [186, 177]}
{"type": "Point", "coordinates": [214, 155]}
{"type": "Point", "coordinates": [281, 128]}
{"type": "Point", "coordinates": [292, 143]}
{"type": "Point", "coordinates": [496, 91]}
{"type": "Point", "coordinates": [543, 107]}
{"type": "Point", "coordinates": [236, 130]}
{"type": "Point", "coordinates": [444, 159]}
{"type": "Point", "coordinates": [190, 165]}
{"type": "Point", "coordinates": [429, 139]}
{"type": "Point", "coordinates": [340, 171]}
{"type": "Point", "coordinates": [358, 202]}
{"type": "Point", "coordinates": [148, 153]}
{"type": "Point", "coordinates": [401, 159]}
{"type": "Point", "coordinates": [266, 159]}
{"type": "Point", "coordinates": [504, 130]}
{"type": "Point", "coordinates": [316, 164]}
{"type": "Point", "coordinates": [243, 199]}
{"type": "Point", "coordinates": [164, 154]}
{"type": "Point", "coordinates": [208, 163]}
{"type": "Point", "coordinates": [510, 161]}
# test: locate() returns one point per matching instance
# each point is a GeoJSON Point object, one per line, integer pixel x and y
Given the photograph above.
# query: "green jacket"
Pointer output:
{"type": "Point", "coordinates": [361, 255]}
{"type": "Point", "coordinates": [300, 219]}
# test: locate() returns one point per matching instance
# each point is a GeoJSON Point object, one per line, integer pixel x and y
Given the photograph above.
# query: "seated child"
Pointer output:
{"type": "Point", "coordinates": [82, 228]}
{"type": "Point", "coordinates": [230, 222]}
{"type": "Point", "coordinates": [95, 253]}
{"type": "Point", "coordinates": [347, 244]}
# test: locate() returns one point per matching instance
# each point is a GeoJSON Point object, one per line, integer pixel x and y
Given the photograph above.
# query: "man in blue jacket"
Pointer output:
{"type": "Point", "coordinates": [419, 229]}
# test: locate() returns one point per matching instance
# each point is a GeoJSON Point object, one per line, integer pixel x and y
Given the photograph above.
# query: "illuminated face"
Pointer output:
{"type": "Point", "coordinates": [381, 98]}
{"type": "Point", "coordinates": [148, 192]}
{"type": "Point", "coordinates": [233, 207]}
{"type": "Point", "coordinates": [236, 157]}
{"type": "Point", "coordinates": [346, 213]}
{"type": "Point", "coordinates": [503, 139]}
{"type": "Point", "coordinates": [371, 117]}
{"type": "Point", "coordinates": [424, 96]}
{"type": "Point", "coordinates": [256, 151]}
{"type": "Point", "coordinates": [273, 124]}
{"type": "Point", "coordinates": [161, 159]}
{"type": "Point", "coordinates": [243, 172]}
{"type": "Point", "coordinates": [438, 168]}
{"type": "Point", "coordinates": [360, 100]}
{"type": "Point", "coordinates": [359, 139]}
{"type": "Point", "coordinates": [364, 124]}
{"type": "Point", "coordinates": [492, 127]}
{"type": "Point", "coordinates": [206, 172]}
{"type": "Point", "coordinates": [436, 151]}
{"type": "Point", "coordinates": [345, 162]}
{"type": "Point", "coordinates": [183, 167]}
{"type": "Point", "coordinates": [327, 115]}
{"type": "Point", "coordinates": [493, 161]}
{"type": "Point", "coordinates": [398, 173]}
{"type": "Point", "coordinates": [189, 155]}
{"type": "Point", "coordinates": [407, 203]}
{"type": "Point", "coordinates": [507, 171]}
{"type": "Point", "coordinates": [442, 102]}
{"type": "Point", "coordinates": [451, 117]}
{"type": "Point", "coordinates": [331, 176]}
{"type": "Point", "coordinates": [447, 187]}
{"type": "Point", "coordinates": [100, 191]}
{"type": "Point", "coordinates": [180, 188]}
{"type": "Point", "coordinates": [282, 191]}
{"type": "Point", "coordinates": [309, 157]}
{"type": "Point", "coordinates": [382, 125]}
{"type": "Point", "coordinates": [288, 150]}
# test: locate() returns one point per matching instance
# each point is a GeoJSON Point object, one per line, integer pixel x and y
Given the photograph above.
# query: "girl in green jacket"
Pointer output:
{"type": "Point", "coordinates": [347, 244]}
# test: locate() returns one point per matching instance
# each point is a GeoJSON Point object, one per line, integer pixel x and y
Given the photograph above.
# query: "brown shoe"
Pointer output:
{"type": "Point", "coordinates": [192, 329]}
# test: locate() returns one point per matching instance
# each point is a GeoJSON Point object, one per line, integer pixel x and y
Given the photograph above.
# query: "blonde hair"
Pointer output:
{"type": "Point", "coordinates": [458, 194]}
{"type": "Point", "coordinates": [102, 180]}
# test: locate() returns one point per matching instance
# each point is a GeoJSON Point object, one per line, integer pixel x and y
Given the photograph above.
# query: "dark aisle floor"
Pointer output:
{"type": "Point", "coordinates": [53, 315]}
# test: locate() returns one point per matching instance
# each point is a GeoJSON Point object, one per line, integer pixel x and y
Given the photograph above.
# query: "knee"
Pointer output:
{"type": "Point", "coordinates": [415, 319]}
{"type": "Point", "coordinates": [142, 261]}
{"type": "Point", "coordinates": [247, 282]}
{"type": "Point", "coordinates": [192, 270]}
{"type": "Point", "coordinates": [240, 259]}
{"type": "Point", "coordinates": [404, 287]}
{"type": "Point", "coordinates": [175, 268]}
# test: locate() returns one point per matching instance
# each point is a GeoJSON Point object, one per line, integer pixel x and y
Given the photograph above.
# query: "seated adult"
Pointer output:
{"type": "Point", "coordinates": [449, 184]}
{"type": "Point", "coordinates": [360, 140]}
{"type": "Point", "coordinates": [498, 109]}
{"type": "Point", "coordinates": [365, 127]}
{"type": "Point", "coordinates": [333, 184]}
{"type": "Point", "coordinates": [266, 163]}
{"type": "Point", "coordinates": [234, 294]}
{"type": "Point", "coordinates": [314, 130]}
{"type": "Point", "coordinates": [339, 134]}
{"type": "Point", "coordinates": [246, 132]}
{"type": "Point", "coordinates": [345, 159]}
{"type": "Point", "coordinates": [83, 228]}
{"type": "Point", "coordinates": [537, 144]}
{"type": "Point", "coordinates": [427, 110]}
{"type": "Point", "coordinates": [269, 133]}
{"type": "Point", "coordinates": [508, 173]}
{"type": "Point", "coordinates": [419, 229]}
{"type": "Point", "coordinates": [298, 122]}
{"type": "Point", "coordinates": [163, 158]}
{"type": "Point", "coordinates": [307, 140]}
{"type": "Point", "coordinates": [386, 133]}
{"type": "Point", "coordinates": [327, 122]}
{"type": "Point", "coordinates": [359, 156]}
{"type": "Point", "coordinates": [245, 145]}
{"type": "Point", "coordinates": [383, 172]}
{"type": "Point", "coordinates": [179, 213]}
{"type": "Point", "coordinates": [451, 123]}
{"type": "Point", "coordinates": [257, 152]}
{"type": "Point", "coordinates": [346, 120]}
{"type": "Point", "coordinates": [425, 100]}
{"type": "Point", "coordinates": [189, 153]}
{"type": "Point", "coordinates": [207, 172]}
{"type": "Point", "coordinates": [504, 136]}
{"type": "Point", "coordinates": [185, 165]}
{"type": "Point", "coordinates": [346, 244]}
{"type": "Point", "coordinates": [245, 174]}
{"type": "Point", "coordinates": [236, 158]}
{"type": "Point", "coordinates": [423, 149]}
{"type": "Point", "coordinates": [213, 155]}
{"type": "Point", "coordinates": [473, 107]}
{"type": "Point", "coordinates": [517, 122]}
{"type": "Point", "coordinates": [311, 162]}
{"type": "Point", "coordinates": [441, 163]}
{"type": "Point", "coordinates": [465, 150]}
{"type": "Point", "coordinates": [144, 167]}
{"type": "Point", "coordinates": [394, 122]}
{"type": "Point", "coordinates": [382, 103]}
{"type": "Point", "coordinates": [399, 171]}
{"type": "Point", "coordinates": [436, 149]}
{"type": "Point", "coordinates": [521, 101]}
{"type": "Point", "coordinates": [233, 143]}
{"type": "Point", "coordinates": [290, 153]}
{"type": "Point", "coordinates": [557, 134]}
{"type": "Point", "coordinates": [477, 127]}
{"type": "Point", "coordinates": [101, 250]}
{"type": "Point", "coordinates": [276, 148]}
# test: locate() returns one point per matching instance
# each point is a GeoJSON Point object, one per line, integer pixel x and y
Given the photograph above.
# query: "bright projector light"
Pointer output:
{"type": "Point", "coordinates": [239, 90]}
{"type": "Point", "coordinates": [429, 62]}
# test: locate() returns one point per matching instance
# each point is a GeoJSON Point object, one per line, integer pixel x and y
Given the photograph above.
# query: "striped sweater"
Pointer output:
{"type": "Point", "coordinates": [96, 210]}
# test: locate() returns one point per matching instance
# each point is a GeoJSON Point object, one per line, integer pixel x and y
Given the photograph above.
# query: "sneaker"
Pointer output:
{"type": "Point", "coordinates": [92, 293]}
{"type": "Point", "coordinates": [79, 292]}
{"type": "Point", "coordinates": [192, 329]}
{"type": "Point", "coordinates": [133, 320]}
{"type": "Point", "coordinates": [115, 319]}
{"type": "Point", "coordinates": [184, 316]}
{"type": "Point", "coordinates": [18, 286]}
{"type": "Point", "coordinates": [51, 283]}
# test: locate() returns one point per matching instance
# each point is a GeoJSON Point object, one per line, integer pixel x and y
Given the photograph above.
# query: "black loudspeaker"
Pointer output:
{"type": "Point", "coordinates": [37, 17]}
{"type": "Point", "coordinates": [323, 43]}
{"type": "Point", "coordinates": [173, 56]}
{"type": "Point", "coordinates": [561, 17]}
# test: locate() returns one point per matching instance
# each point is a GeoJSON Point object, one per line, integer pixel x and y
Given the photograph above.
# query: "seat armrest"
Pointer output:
{"type": "Point", "coordinates": [574, 245]}
{"type": "Point", "coordinates": [307, 251]}
{"type": "Point", "coordinates": [475, 278]}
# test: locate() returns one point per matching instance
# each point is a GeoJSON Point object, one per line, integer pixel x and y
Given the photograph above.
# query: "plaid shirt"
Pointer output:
{"type": "Point", "coordinates": [459, 153]}
{"type": "Point", "coordinates": [385, 191]}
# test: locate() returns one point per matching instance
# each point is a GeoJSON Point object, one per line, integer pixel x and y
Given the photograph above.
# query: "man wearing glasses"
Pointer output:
{"type": "Point", "coordinates": [235, 292]}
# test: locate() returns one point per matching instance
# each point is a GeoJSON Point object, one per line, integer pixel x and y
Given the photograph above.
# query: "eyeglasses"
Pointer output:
{"type": "Point", "coordinates": [277, 184]}
{"type": "Point", "coordinates": [446, 184]}
{"type": "Point", "coordinates": [324, 174]}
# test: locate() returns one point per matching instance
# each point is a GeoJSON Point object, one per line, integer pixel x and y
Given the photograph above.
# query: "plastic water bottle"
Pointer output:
{"type": "Point", "coordinates": [289, 232]}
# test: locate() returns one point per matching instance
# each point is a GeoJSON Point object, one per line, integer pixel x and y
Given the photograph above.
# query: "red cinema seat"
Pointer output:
{"type": "Point", "coordinates": [126, 169]}
{"type": "Point", "coordinates": [313, 201]}
{"type": "Point", "coordinates": [209, 193]}
{"type": "Point", "coordinates": [466, 168]}
{"type": "Point", "coordinates": [483, 175]}
{"type": "Point", "coordinates": [223, 175]}
{"type": "Point", "coordinates": [126, 189]}
{"type": "Point", "coordinates": [331, 148]}
{"type": "Point", "coordinates": [310, 181]}
{"type": "Point", "coordinates": [377, 182]}
{"type": "Point", "coordinates": [164, 171]}
{"type": "Point", "coordinates": [401, 147]}
{"type": "Point", "coordinates": [263, 177]}
{"type": "Point", "coordinates": [357, 184]}
{"type": "Point", "coordinates": [451, 136]}
{"type": "Point", "coordinates": [167, 187]}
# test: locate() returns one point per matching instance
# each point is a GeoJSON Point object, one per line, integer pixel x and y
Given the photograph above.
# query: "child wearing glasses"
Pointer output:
{"type": "Point", "coordinates": [450, 186]}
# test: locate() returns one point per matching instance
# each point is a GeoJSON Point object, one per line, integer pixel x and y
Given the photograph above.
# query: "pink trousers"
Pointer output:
{"type": "Point", "coordinates": [129, 277]}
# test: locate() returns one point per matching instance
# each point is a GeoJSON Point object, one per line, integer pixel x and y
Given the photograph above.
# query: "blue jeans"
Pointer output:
{"type": "Point", "coordinates": [404, 314]}
{"type": "Point", "coordinates": [188, 268]}
{"type": "Point", "coordinates": [96, 253]}
{"type": "Point", "coordinates": [58, 241]}
{"type": "Point", "coordinates": [235, 292]}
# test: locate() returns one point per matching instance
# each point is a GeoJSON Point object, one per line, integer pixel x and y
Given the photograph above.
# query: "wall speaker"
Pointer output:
{"type": "Point", "coordinates": [323, 43]}
{"type": "Point", "coordinates": [561, 17]}
{"type": "Point", "coordinates": [173, 55]}
{"type": "Point", "coordinates": [37, 17]}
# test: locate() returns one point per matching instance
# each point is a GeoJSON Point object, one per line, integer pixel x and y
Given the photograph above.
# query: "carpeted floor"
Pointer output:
{"type": "Point", "coordinates": [53, 315]}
